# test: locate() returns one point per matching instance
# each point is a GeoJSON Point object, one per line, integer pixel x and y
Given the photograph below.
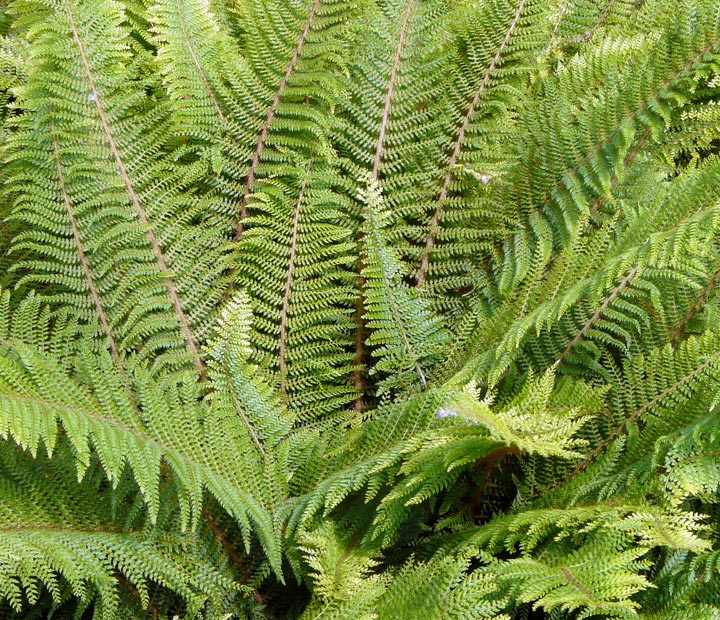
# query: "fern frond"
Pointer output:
{"type": "Point", "coordinates": [488, 68]}
{"type": "Point", "coordinates": [579, 20]}
{"type": "Point", "coordinates": [294, 56]}
{"type": "Point", "coordinates": [296, 251]}
{"type": "Point", "coordinates": [404, 332]}
{"type": "Point", "coordinates": [88, 541]}
{"type": "Point", "coordinates": [38, 399]}
{"type": "Point", "coordinates": [653, 397]}
{"type": "Point", "coordinates": [235, 378]}
{"type": "Point", "coordinates": [485, 386]}
{"type": "Point", "coordinates": [191, 50]}
{"type": "Point", "coordinates": [584, 158]}
{"type": "Point", "coordinates": [122, 246]}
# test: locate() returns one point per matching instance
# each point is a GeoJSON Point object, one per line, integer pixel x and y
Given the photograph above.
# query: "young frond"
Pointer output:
{"type": "Point", "coordinates": [405, 334]}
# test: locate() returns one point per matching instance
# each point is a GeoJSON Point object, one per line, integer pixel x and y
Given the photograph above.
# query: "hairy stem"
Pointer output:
{"type": "Point", "coordinates": [84, 264]}
{"type": "Point", "coordinates": [702, 298]}
{"type": "Point", "coordinates": [599, 313]}
{"type": "Point", "coordinates": [272, 110]}
{"type": "Point", "coordinates": [390, 92]}
{"type": "Point", "coordinates": [282, 347]}
{"type": "Point", "coordinates": [198, 66]}
{"type": "Point", "coordinates": [459, 139]}
{"type": "Point", "coordinates": [359, 378]}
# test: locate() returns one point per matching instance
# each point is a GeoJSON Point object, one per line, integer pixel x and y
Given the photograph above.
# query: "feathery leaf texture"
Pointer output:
{"type": "Point", "coordinates": [360, 309]}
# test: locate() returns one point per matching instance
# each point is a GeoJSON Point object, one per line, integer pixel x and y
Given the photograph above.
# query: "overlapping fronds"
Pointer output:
{"type": "Point", "coordinates": [116, 233]}
{"type": "Point", "coordinates": [591, 135]}
{"type": "Point", "coordinates": [654, 401]}
{"type": "Point", "coordinates": [493, 48]}
{"type": "Point", "coordinates": [461, 431]}
{"type": "Point", "coordinates": [87, 541]}
{"type": "Point", "coordinates": [152, 427]}
{"type": "Point", "coordinates": [191, 48]}
{"type": "Point", "coordinates": [359, 309]}
{"type": "Point", "coordinates": [294, 55]}
{"type": "Point", "coordinates": [630, 284]}
{"type": "Point", "coordinates": [391, 119]}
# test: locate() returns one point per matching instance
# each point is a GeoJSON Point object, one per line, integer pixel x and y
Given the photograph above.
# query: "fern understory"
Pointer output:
{"type": "Point", "coordinates": [360, 309]}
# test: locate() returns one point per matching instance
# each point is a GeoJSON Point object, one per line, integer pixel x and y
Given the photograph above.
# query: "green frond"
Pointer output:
{"type": "Point", "coordinates": [689, 461]}
{"type": "Point", "coordinates": [239, 384]}
{"type": "Point", "coordinates": [294, 73]}
{"type": "Point", "coordinates": [298, 250]}
{"type": "Point", "coordinates": [100, 417]}
{"type": "Point", "coordinates": [436, 589]}
{"type": "Point", "coordinates": [589, 312]}
{"type": "Point", "coordinates": [88, 541]}
{"type": "Point", "coordinates": [596, 567]}
{"type": "Point", "coordinates": [529, 422]}
{"type": "Point", "coordinates": [653, 398]}
{"type": "Point", "coordinates": [336, 566]}
{"type": "Point", "coordinates": [461, 432]}
{"type": "Point", "coordinates": [191, 48]}
{"type": "Point", "coordinates": [493, 47]}
{"type": "Point", "coordinates": [609, 126]}
{"type": "Point", "coordinates": [90, 562]}
{"type": "Point", "coordinates": [405, 335]}
{"type": "Point", "coordinates": [119, 235]}
{"type": "Point", "coordinates": [584, 587]}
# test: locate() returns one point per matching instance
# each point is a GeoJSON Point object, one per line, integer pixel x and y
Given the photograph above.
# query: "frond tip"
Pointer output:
{"type": "Point", "coordinates": [404, 332]}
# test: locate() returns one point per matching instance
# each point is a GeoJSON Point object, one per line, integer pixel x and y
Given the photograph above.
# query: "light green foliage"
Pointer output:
{"type": "Point", "coordinates": [405, 334]}
{"type": "Point", "coordinates": [360, 309]}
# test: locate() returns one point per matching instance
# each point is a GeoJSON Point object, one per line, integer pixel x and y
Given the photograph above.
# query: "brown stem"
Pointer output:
{"type": "Point", "coordinates": [485, 466]}
{"type": "Point", "coordinates": [288, 284]}
{"type": "Point", "coordinates": [587, 35]}
{"type": "Point", "coordinates": [235, 558]}
{"type": "Point", "coordinates": [152, 606]}
{"type": "Point", "coordinates": [268, 119]}
{"type": "Point", "coordinates": [84, 264]}
{"type": "Point", "coordinates": [571, 579]}
{"type": "Point", "coordinates": [196, 61]}
{"type": "Point", "coordinates": [460, 138]}
{"type": "Point", "coordinates": [599, 313]}
{"type": "Point", "coordinates": [679, 331]}
{"type": "Point", "coordinates": [604, 15]}
{"type": "Point", "coordinates": [490, 461]}
{"type": "Point", "coordinates": [359, 372]}
{"type": "Point", "coordinates": [558, 23]}
{"type": "Point", "coordinates": [631, 418]}
{"type": "Point", "coordinates": [390, 91]}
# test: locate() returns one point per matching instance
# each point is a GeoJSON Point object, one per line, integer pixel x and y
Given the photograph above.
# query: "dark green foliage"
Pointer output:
{"type": "Point", "coordinates": [363, 309]}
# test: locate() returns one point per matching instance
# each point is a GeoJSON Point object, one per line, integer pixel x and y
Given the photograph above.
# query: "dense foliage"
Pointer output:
{"type": "Point", "coordinates": [360, 309]}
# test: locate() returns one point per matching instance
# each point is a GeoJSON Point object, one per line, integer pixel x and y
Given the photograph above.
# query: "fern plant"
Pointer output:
{"type": "Point", "coordinates": [360, 309]}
